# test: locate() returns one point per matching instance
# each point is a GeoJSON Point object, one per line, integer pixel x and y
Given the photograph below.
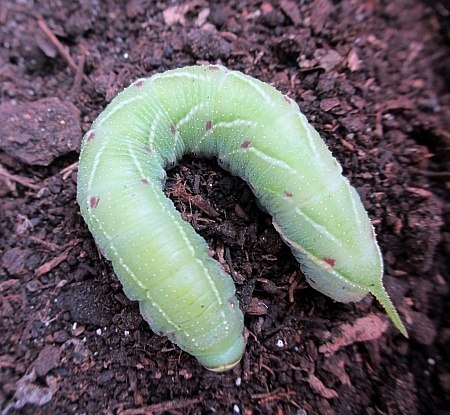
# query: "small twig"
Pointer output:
{"type": "Point", "coordinates": [48, 266]}
{"type": "Point", "coordinates": [58, 45]}
{"type": "Point", "coordinates": [67, 171]}
{"type": "Point", "coordinates": [268, 369]}
{"type": "Point", "coordinates": [160, 407]}
{"type": "Point", "coordinates": [280, 396]}
{"type": "Point", "coordinates": [428, 173]}
{"type": "Point", "coordinates": [230, 263]}
{"type": "Point", "coordinates": [78, 75]}
{"type": "Point", "coordinates": [50, 245]}
{"type": "Point", "coordinates": [24, 181]}
{"type": "Point", "coordinates": [266, 395]}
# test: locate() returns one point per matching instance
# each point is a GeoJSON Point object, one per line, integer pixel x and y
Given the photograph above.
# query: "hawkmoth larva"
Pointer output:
{"type": "Point", "coordinates": [256, 133]}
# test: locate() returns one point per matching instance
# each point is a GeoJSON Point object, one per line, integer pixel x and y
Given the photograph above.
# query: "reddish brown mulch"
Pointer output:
{"type": "Point", "coordinates": [372, 77]}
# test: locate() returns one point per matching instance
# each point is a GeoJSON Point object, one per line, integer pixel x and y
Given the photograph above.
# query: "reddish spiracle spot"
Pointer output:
{"type": "Point", "coordinates": [91, 136]}
{"type": "Point", "coordinates": [147, 149]}
{"type": "Point", "coordinates": [173, 129]}
{"type": "Point", "coordinates": [139, 83]}
{"type": "Point", "coordinates": [288, 194]}
{"type": "Point", "coordinates": [330, 261]}
{"type": "Point", "coordinates": [214, 68]}
{"type": "Point", "coordinates": [93, 202]}
{"type": "Point", "coordinates": [208, 125]}
{"type": "Point", "coordinates": [287, 99]}
{"type": "Point", "coordinates": [245, 144]}
{"type": "Point", "coordinates": [145, 181]}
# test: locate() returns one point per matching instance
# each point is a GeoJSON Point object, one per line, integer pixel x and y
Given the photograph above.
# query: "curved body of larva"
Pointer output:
{"type": "Point", "coordinates": [257, 134]}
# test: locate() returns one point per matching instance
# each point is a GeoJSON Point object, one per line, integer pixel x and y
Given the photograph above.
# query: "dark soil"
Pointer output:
{"type": "Point", "coordinates": [372, 76]}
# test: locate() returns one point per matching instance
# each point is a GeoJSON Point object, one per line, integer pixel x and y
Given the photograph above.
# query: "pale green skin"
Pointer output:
{"type": "Point", "coordinates": [256, 133]}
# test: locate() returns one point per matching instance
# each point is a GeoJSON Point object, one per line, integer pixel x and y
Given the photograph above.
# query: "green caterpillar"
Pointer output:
{"type": "Point", "coordinates": [256, 133]}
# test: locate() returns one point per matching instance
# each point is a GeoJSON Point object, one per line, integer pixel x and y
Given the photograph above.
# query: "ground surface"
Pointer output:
{"type": "Point", "coordinates": [371, 76]}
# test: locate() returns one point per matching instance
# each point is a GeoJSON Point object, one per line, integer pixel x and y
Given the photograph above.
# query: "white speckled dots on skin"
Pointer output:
{"type": "Point", "coordinates": [256, 133]}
